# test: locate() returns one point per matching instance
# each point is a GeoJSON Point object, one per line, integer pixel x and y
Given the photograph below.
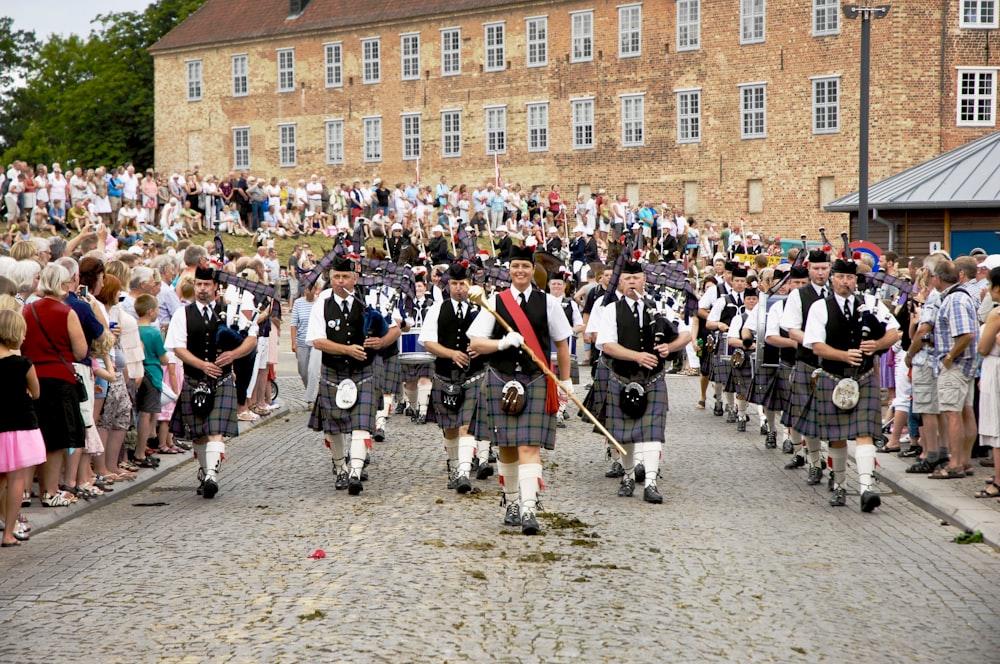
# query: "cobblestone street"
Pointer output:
{"type": "Point", "coordinates": [743, 562]}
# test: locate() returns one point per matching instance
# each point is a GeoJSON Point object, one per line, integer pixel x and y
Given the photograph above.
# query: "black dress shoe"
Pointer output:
{"type": "Point", "coordinates": [201, 488]}
{"type": "Point", "coordinates": [462, 484]}
{"type": "Point", "coordinates": [341, 482]}
{"type": "Point", "coordinates": [717, 411]}
{"type": "Point", "coordinates": [639, 472]}
{"type": "Point", "coordinates": [627, 488]}
{"type": "Point", "coordinates": [787, 447]}
{"type": "Point", "coordinates": [379, 435]}
{"type": "Point", "coordinates": [493, 456]}
{"type": "Point", "coordinates": [796, 462]}
{"type": "Point", "coordinates": [839, 497]}
{"type": "Point", "coordinates": [409, 411]}
{"type": "Point", "coordinates": [617, 470]}
{"type": "Point", "coordinates": [364, 475]}
{"type": "Point", "coordinates": [354, 485]}
{"type": "Point", "coordinates": [815, 475]}
{"type": "Point", "coordinates": [869, 501]}
{"type": "Point", "coordinates": [529, 524]}
{"type": "Point", "coordinates": [652, 495]}
{"type": "Point", "coordinates": [210, 488]}
{"type": "Point", "coordinates": [484, 471]}
{"type": "Point", "coordinates": [764, 430]}
{"type": "Point", "coordinates": [911, 451]}
{"type": "Point", "coordinates": [513, 515]}
{"type": "Point", "coordinates": [741, 424]}
{"type": "Point", "coordinates": [772, 441]}
{"type": "Point", "coordinates": [400, 407]}
{"type": "Point", "coordinates": [730, 416]}
{"type": "Point", "coordinates": [421, 419]}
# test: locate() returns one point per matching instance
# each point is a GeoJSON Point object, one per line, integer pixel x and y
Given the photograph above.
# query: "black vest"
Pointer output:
{"type": "Point", "coordinates": [772, 354]}
{"type": "Point", "coordinates": [451, 334]}
{"type": "Point", "coordinates": [844, 334]}
{"type": "Point", "coordinates": [346, 329]}
{"type": "Point", "coordinates": [729, 310]}
{"type": "Point", "coordinates": [507, 361]}
{"type": "Point", "coordinates": [808, 296]}
{"type": "Point", "coordinates": [201, 338]}
{"type": "Point", "coordinates": [633, 338]}
{"type": "Point", "coordinates": [567, 307]}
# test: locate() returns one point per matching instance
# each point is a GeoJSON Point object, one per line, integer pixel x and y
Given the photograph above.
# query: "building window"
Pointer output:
{"type": "Point", "coordinates": [582, 36]}
{"type": "Point", "coordinates": [334, 60]}
{"type": "Point", "coordinates": [194, 80]}
{"type": "Point", "coordinates": [286, 70]}
{"type": "Point", "coordinates": [451, 57]}
{"type": "Point", "coordinates": [751, 21]}
{"type": "Point", "coordinates": [826, 17]}
{"type": "Point", "coordinates": [451, 133]}
{"type": "Point", "coordinates": [629, 31]}
{"type": "Point", "coordinates": [496, 130]}
{"type": "Point", "coordinates": [753, 111]}
{"type": "Point", "coordinates": [495, 52]}
{"type": "Point", "coordinates": [371, 67]}
{"type": "Point", "coordinates": [689, 116]}
{"type": "Point", "coordinates": [335, 141]}
{"type": "Point", "coordinates": [538, 127]}
{"type": "Point", "coordinates": [633, 121]}
{"type": "Point", "coordinates": [411, 136]}
{"type": "Point", "coordinates": [688, 25]}
{"type": "Point", "coordinates": [286, 145]}
{"type": "Point", "coordinates": [977, 93]}
{"type": "Point", "coordinates": [240, 75]}
{"type": "Point", "coordinates": [583, 124]}
{"type": "Point", "coordinates": [241, 147]}
{"type": "Point", "coordinates": [978, 14]}
{"type": "Point", "coordinates": [409, 47]}
{"type": "Point", "coordinates": [826, 105]}
{"type": "Point", "coordinates": [373, 139]}
{"type": "Point", "coordinates": [537, 37]}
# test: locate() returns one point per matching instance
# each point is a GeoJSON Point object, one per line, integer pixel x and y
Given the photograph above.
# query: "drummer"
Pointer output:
{"type": "Point", "coordinates": [417, 377]}
{"type": "Point", "coordinates": [742, 337]}
{"type": "Point", "coordinates": [388, 373]}
{"type": "Point", "coordinates": [556, 286]}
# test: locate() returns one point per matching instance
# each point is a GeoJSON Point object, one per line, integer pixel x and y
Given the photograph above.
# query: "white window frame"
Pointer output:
{"type": "Point", "coordinates": [371, 60]}
{"type": "Point", "coordinates": [286, 131]}
{"type": "Point", "coordinates": [634, 119]}
{"type": "Point", "coordinates": [495, 120]}
{"type": "Point", "coordinates": [494, 46]}
{"type": "Point", "coordinates": [538, 126]}
{"type": "Point", "coordinates": [825, 10]}
{"type": "Point", "coordinates": [630, 31]}
{"type": "Point", "coordinates": [536, 46]}
{"type": "Point", "coordinates": [688, 25]}
{"type": "Point", "coordinates": [582, 36]}
{"type": "Point", "coordinates": [753, 109]}
{"type": "Point", "coordinates": [241, 75]}
{"type": "Point", "coordinates": [451, 51]}
{"type": "Point", "coordinates": [975, 10]}
{"type": "Point", "coordinates": [371, 136]}
{"type": "Point", "coordinates": [334, 133]}
{"type": "Point", "coordinates": [451, 133]}
{"type": "Point", "coordinates": [823, 109]}
{"type": "Point", "coordinates": [333, 64]}
{"type": "Point", "coordinates": [688, 121]}
{"type": "Point", "coordinates": [194, 80]}
{"type": "Point", "coordinates": [286, 69]}
{"type": "Point", "coordinates": [238, 148]}
{"type": "Point", "coordinates": [753, 14]}
{"type": "Point", "coordinates": [409, 55]}
{"type": "Point", "coordinates": [411, 146]}
{"type": "Point", "coordinates": [578, 107]}
{"type": "Point", "coordinates": [977, 98]}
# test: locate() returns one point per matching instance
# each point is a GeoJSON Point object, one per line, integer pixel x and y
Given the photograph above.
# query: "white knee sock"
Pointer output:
{"type": "Point", "coordinates": [199, 451]}
{"type": "Point", "coordinates": [509, 479]}
{"type": "Point", "coordinates": [741, 407]}
{"type": "Point", "coordinates": [628, 459]}
{"type": "Point", "coordinates": [335, 443]}
{"type": "Point", "coordinates": [838, 459]}
{"type": "Point", "coordinates": [651, 452]}
{"type": "Point", "coordinates": [483, 451]}
{"type": "Point", "coordinates": [717, 386]}
{"type": "Point", "coordinates": [423, 397]}
{"type": "Point", "coordinates": [864, 456]}
{"type": "Point", "coordinates": [360, 440]}
{"type": "Point", "coordinates": [773, 422]}
{"type": "Point", "coordinates": [451, 449]}
{"type": "Point", "coordinates": [466, 450]}
{"type": "Point", "coordinates": [529, 479]}
{"type": "Point", "coordinates": [730, 398]}
{"type": "Point", "coordinates": [812, 447]}
{"type": "Point", "coordinates": [214, 449]}
{"type": "Point", "coordinates": [411, 396]}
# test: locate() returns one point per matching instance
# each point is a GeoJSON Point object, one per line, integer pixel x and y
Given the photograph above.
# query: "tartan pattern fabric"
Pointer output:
{"type": "Point", "coordinates": [740, 380]}
{"type": "Point", "coordinates": [651, 427]}
{"type": "Point", "coordinates": [447, 419]}
{"type": "Point", "coordinates": [388, 374]}
{"type": "Point", "coordinates": [798, 397]}
{"type": "Point", "coordinates": [865, 419]}
{"type": "Point", "coordinates": [220, 422]}
{"type": "Point", "coordinates": [328, 418]}
{"type": "Point", "coordinates": [720, 364]}
{"type": "Point", "coordinates": [597, 394]}
{"type": "Point", "coordinates": [532, 427]}
{"type": "Point", "coordinates": [414, 371]}
{"type": "Point", "coordinates": [771, 386]}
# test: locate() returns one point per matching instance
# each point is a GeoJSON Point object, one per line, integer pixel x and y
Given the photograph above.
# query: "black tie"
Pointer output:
{"type": "Point", "coordinates": [847, 309]}
{"type": "Point", "coordinates": [635, 311]}
{"type": "Point", "coordinates": [524, 300]}
{"type": "Point", "coordinates": [461, 311]}
{"type": "Point", "coordinates": [822, 292]}
{"type": "Point", "coordinates": [206, 315]}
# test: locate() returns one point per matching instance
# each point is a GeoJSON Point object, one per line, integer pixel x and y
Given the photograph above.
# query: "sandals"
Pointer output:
{"type": "Point", "coordinates": [948, 473]}
{"type": "Point", "coordinates": [147, 462]}
{"type": "Point", "coordinates": [55, 500]}
{"type": "Point", "coordinates": [701, 405]}
{"type": "Point", "coordinates": [986, 493]}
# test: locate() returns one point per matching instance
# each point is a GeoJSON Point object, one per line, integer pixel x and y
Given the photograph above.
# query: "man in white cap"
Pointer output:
{"type": "Point", "coordinates": [553, 243]}
{"type": "Point", "coordinates": [504, 245]}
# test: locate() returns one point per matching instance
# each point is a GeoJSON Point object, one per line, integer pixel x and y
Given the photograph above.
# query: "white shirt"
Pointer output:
{"type": "Point", "coordinates": [791, 317]}
{"type": "Point", "coordinates": [608, 332]}
{"type": "Point", "coordinates": [317, 317]}
{"type": "Point", "coordinates": [815, 331]}
{"type": "Point", "coordinates": [773, 326]}
{"type": "Point", "coordinates": [177, 331]}
{"type": "Point", "coordinates": [559, 328]}
{"type": "Point", "coordinates": [715, 315]}
{"type": "Point", "coordinates": [429, 331]}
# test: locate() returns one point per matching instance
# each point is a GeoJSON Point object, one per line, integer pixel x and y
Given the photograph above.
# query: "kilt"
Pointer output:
{"type": "Point", "coordinates": [447, 419]}
{"type": "Point", "coordinates": [798, 397]}
{"type": "Point", "coordinates": [865, 419]}
{"type": "Point", "coordinates": [532, 427]}
{"type": "Point", "coordinates": [598, 392]}
{"type": "Point", "coordinates": [220, 422]}
{"type": "Point", "coordinates": [412, 372]}
{"type": "Point", "coordinates": [720, 366]}
{"type": "Point", "coordinates": [706, 359]}
{"type": "Point", "coordinates": [651, 427]}
{"type": "Point", "coordinates": [740, 379]}
{"type": "Point", "coordinates": [328, 418]}
{"type": "Point", "coordinates": [388, 374]}
{"type": "Point", "coordinates": [771, 386]}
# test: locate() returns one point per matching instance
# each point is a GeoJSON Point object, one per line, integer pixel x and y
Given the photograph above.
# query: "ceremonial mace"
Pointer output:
{"type": "Point", "coordinates": [478, 296]}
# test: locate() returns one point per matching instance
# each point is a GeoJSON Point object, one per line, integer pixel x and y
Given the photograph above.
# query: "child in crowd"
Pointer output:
{"type": "Point", "coordinates": [148, 398]}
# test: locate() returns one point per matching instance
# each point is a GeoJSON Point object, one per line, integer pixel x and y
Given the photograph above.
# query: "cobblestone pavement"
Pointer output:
{"type": "Point", "coordinates": [743, 562]}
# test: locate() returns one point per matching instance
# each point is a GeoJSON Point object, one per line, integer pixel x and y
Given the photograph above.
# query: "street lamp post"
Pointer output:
{"type": "Point", "coordinates": [866, 14]}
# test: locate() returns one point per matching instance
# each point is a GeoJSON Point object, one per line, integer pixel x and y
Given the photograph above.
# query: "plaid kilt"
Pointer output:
{"type": "Point", "coordinates": [597, 393]}
{"type": "Point", "coordinates": [388, 374]}
{"type": "Point", "coordinates": [220, 422]}
{"type": "Point", "coordinates": [328, 418]}
{"type": "Point", "coordinates": [415, 371]}
{"type": "Point", "coordinates": [651, 427]}
{"type": "Point", "coordinates": [798, 397]}
{"type": "Point", "coordinates": [865, 419]}
{"type": "Point", "coordinates": [740, 381]}
{"type": "Point", "coordinates": [532, 427]}
{"type": "Point", "coordinates": [720, 367]}
{"type": "Point", "coordinates": [771, 385]}
{"type": "Point", "coordinates": [447, 419]}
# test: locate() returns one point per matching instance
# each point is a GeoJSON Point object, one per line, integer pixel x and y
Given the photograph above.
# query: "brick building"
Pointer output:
{"type": "Point", "coordinates": [730, 108]}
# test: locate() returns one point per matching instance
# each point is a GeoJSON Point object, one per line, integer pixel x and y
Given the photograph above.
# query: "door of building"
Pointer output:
{"type": "Point", "coordinates": [962, 242]}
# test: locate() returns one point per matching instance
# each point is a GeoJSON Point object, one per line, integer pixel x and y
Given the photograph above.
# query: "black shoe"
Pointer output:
{"type": "Point", "coordinates": [652, 495]}
{"type": "Point", "coordinates": [911, 451]}
{"type": "Point", "coordinates": [422, 419]}
{"type": "Point", "coordinates": [627, 488]}
{"type": "Point", "coordinates": [560, 421]}
{"type": "Point", "coordinates": [379, 435]}
{"type": "Point", "coordinates": [399, 409]}
{"type": "Point", "coordinates": [717, 411]}
{"type": "Point", "coordinates": [209, 488]}
{"type": "Point", "coordinates": [462, 484]}
{"type": "Point", "coordinates": [341, 483]}
{"type": "Point", "coordinates": [796, 462]}
{"type": "Point", "coordinates": [869, 501]}
{"type": "Point", "coordinates": [730, 417]}
{"type": "Point", "coordinates": [364, 475]}
{"type": "Point", "coordinates": [493, 456]}
{"type": "Point", "coordinates": [787, 447]}
{"type": "Point", "coordinates": [830, 483]}
{"type": "Point", "coordinates": [764, 430]}
{"type": "Point", "coordinates": [513, 515]}
{"type": "Point", "coordinates": [741, 424]}
{"type": "Point", "coordinates": [529, 524]}
{"type": "Point", "coordinates": [815, 475]}
{"type": "Point", "coordinates": [354, 485]}
{"type": "Point", "coordinates": [640, 472]}
{"type": "Point", "coordinates": [409, 411]}
{"type": "Point", "coordinates": [484, 471]}
{"type": "Point", "coordinates": [201, 488]}
{"type": "Point", "coordinates": [453, 482]}
{"type": "Point", "coordinates": [617, 470]}
{"type": "Point", "coordinates": [839, 497]}
{"type": "Point", "coordinates": [772, 441]}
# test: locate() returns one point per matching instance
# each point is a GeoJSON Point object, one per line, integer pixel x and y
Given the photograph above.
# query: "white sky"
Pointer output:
{"type": "Point", "coordinates": [63, 16]}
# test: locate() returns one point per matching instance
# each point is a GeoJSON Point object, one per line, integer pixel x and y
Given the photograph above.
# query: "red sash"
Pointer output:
{"type": "Point", "coordinates": [531, 339]}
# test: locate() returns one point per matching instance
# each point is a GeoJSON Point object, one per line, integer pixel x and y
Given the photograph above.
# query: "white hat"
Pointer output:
{"type": "Point", "coordinates": [992, 262]}
{"type": "Point", "coordinates": [531, 241]}
{"type": "Point", "coordinates": [553, 229]}
{"type": "Point", "coordinates": [502, 229]}
{"type": "Point", "coordinates": [136, 249]}
{"type": "Point", "coordinates": [377, 181]}
{"type": "Point", "coordinates": [396, 227]}
{"type": "Point", "coordinates": [343, 224]}
{"type": "Point", "coordinates": [636, 225]}
{"type": "Point", "coordinates": [468, 228]}
{"type": "Point", "coordinates": [437, 229]}
{"type": "Point", "coordinates": [579, 228]}
{"type": "Point", "coordinates": [719, 256]}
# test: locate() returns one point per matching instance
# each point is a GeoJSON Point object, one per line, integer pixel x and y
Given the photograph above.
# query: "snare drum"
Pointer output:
{"type": "Point", "coordinates": [411, 351]}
